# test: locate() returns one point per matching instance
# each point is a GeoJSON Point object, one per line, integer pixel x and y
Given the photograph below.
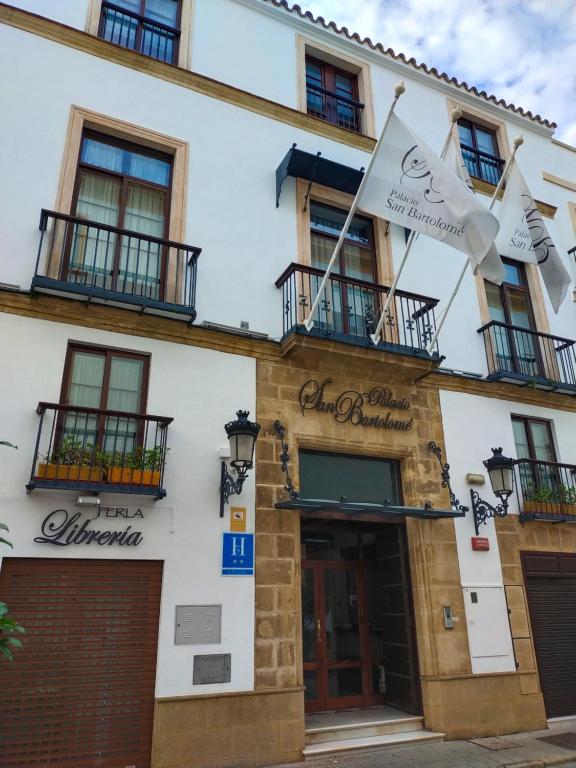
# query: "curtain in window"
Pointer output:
{"type": "Point", "coordinates": [92, 249]}
{"type": "Point", "coordinates": [157, 42]}
{"type": "Point", "coordinates": [124, 393]}
{"type": "Point", "coordinates": [140, 263]}
{"type": "Point", "coordinates": [85, 389]}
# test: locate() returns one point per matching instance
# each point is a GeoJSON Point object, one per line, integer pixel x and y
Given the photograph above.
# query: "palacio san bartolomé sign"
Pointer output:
{"type": "Point", "coordinates": [354, 407]}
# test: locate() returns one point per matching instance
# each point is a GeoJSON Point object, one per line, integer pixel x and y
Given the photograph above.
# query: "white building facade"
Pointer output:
{"type": "Point", "coordinates": [190, 164]}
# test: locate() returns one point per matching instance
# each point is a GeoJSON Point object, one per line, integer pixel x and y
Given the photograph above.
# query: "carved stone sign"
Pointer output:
{"type": "Point", "coordinates": [63, 528]}
{"type": "Point", "coordinates": [352, 407]}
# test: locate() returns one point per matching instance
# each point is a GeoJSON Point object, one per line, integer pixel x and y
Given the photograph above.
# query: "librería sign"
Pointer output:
{"type": "Point", "coordinates": [350, 406]}
{"type": "Point", "coordinates": [62, 528]}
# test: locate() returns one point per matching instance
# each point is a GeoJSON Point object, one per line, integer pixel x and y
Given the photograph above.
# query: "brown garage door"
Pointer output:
{"type": "Point", "coordinates": [80, 693]}
{"type": "Point", "coordinates": [551, 591]}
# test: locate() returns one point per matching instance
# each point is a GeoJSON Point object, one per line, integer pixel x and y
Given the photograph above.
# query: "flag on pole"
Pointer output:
{"type": "Point", "coordinates": [491, 267]}
{"type": "Point", "coordinates": [409, 185]}
{"type": "Point", "coordinates": [523, 236]}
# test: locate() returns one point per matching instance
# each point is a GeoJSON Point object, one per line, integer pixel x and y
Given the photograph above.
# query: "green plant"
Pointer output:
{"type": "Point", "coordinates": [8, 628]}
{"type": "Point", "coordinates": [144, 458]}
{"type": "Point", "coordinates": [558, 494]}
{"type": "Point", "coordinates": [4, 541]}
{"type": "Point", "coordinates": [76, 453]}
{"type": "Point", "coordinates": [539, 493]}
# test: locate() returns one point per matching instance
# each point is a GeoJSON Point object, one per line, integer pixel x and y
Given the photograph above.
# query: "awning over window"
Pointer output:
{"type": "Point", "coordinates": [364, 510]}
{"type": "Point", "coordinates": [315, 168]}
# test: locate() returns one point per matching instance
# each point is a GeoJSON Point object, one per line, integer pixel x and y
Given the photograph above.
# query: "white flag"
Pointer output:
{"type": "Point", "coordinates": [523, 236]}
{"type": "Point", "coordinates": [491, 267]}
{"type": "Point", "coordinates": [409, 185]}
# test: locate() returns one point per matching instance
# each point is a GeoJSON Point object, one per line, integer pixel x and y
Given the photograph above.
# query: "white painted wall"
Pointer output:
{"type": "Point", "coordinates": [472, 426]}
{"type": "Point", "coordinates": [74, 13]}
{"type": "Point", "coordinates": [234, 153]}
{"type": "Point", "coordinates": [201, 389]}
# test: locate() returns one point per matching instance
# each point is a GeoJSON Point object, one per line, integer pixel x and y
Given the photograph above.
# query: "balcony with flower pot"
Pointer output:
{"type": "Point", "coordinates": [546, 490]}
{"type": "Point", "coordinates": [98, 450]}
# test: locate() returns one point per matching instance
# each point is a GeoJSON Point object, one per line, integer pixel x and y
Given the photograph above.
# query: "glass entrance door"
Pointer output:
{"type": "Point", "coordinates": [336, 648]}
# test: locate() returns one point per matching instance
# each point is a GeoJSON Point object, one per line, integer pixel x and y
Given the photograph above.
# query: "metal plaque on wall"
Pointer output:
{"type": "Point", "coordinates": [198, 624]}
{"type": "Point", "coordinates": [212, 668]}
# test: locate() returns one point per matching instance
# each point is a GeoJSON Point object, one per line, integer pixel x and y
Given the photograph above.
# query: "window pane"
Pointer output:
{"type": "Point", "coordinates": [465, 134]}
{"type": "Point", "coordinates": [308, 616]}
{"type": "Point", "coordinates": [130, 5]}
{"type": "Point", "coordinates": [514, 275]}
{"type": "Point", "coordinates": [520, 439]}
{"type": "Point", "coordinates": [101, 154]}
{"type": "Point", "coordinates": [345, 682]}
{"type": "Point", "coordinates": [332, 475]}
{"type": "Point", "coordinates": [125, 384]}
{"type": "Point", "coordinates": [147, 168]}
{"type": "Point", "coordinates": [164, 11]}
{"type": "Point", "coordinates": [543, 446]}
{"type": "Point", "coordinates": [331, 220]}
{"type": "Point", "coordinates": [98, 198]}
{"type": "Point", "coordinates": [358, 262]}
{"type": "Point", "coordinates": [322, 249]}
{"type": "Point", "coordinates": [313, 73]}
{"type": "Point", "coordinates": [341, 615]}
{"type": "Point", "coordinates": [344, 85]}
{"type": "Point", "coordinates": [485, 141]}
{"type": "Point", "coordinates": [112, 158]}
{"type": "Point", "coordinates": [86, 380]}
{"type": "Point", "coordinates": [495, 305]}
{"type": "Point", "coordinates": [519, 305]}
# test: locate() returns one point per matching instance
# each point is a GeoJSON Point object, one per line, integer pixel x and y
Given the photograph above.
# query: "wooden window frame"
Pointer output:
{"type": "Point", "coordinates": [524, 287]}
{"type": "Point", "coordinates": [82, 120]}
{"type": "Point", "coordinates": [143, 18]}
{"type": "Point", "coordinates": [108, 353]}
{"type": "Point", "coordinates": [124, 179]}
{"type": "Point", "coordinates": [306, 47]}
{"type": "Point", "coordinates": [328, 82]}
{"type": "Point", "coordinates": [355, 243]}
{"type": "Point", "coordinates": [185, 14]}
{"type": "Point", "coordinates": [526, 421]}
{"type": "Point", "coordinates": [332, 197]}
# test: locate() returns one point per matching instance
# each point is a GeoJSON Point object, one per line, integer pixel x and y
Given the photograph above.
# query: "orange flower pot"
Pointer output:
{"type": "Point", "coordinates": [69, 472]}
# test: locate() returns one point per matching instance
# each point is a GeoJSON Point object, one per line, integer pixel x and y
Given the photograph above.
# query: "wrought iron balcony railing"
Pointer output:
{"type": "Point", "coordinates": [91, 449]}
{"type": "Point", "coordinates": [546, 490]}
{"type": "Point", "coordinates": [100, 262]}
{"type": "Point", "coordinates": [130, 30]}
{"type": "Point", "coordinates": [482, 165]}
{"type": "Point", "coordinates": [350, 310]}
{"type": "Point", "coordinates": [521, 356]}
{"type": "Point", "coordinates": [334, 108]}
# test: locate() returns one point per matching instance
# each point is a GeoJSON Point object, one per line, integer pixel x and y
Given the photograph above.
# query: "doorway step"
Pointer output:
{"type": "Point", "coordinates": [333, 732]}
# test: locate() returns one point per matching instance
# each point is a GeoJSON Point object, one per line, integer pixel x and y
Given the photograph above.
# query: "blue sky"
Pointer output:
{"type": "Point", "coordinates": [521, 50]}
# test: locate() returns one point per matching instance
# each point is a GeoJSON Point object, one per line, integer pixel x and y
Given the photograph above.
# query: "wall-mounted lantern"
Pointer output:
{"type": "Point", "coordinates": [242, 435]}
{"type": "Point", "coordinates": [501, 473]}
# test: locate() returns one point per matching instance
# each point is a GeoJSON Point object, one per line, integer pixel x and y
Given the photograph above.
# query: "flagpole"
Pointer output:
{"type": "Point", "coordinates": [309, 322]}
{"type": "Point", "coordinates": [518, 141]}
{"type": "Point", "coordinates": [455, 115]}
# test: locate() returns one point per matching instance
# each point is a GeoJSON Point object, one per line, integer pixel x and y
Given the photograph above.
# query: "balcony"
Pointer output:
{"type": "Point", "coordinates": [529, 358]}
{"type": "Point", "coordinates": [482, 165]}
{"type": "Point", "coordinates": [96, 450]}
{"type": "Point", "coordinates": [349, 311]}
{"type": "Point", "coordinates": [334, 108]}
{"type": "Point", "coordinates": [546, 490]}
{"type": "Point", "coordinates": [96, 262]}
{"type": "Point", "coordinates": [138, 33]}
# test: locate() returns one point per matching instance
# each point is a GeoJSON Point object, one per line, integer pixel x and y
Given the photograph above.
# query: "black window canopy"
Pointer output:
{"type": "Point", "coordinates": [315, 168]}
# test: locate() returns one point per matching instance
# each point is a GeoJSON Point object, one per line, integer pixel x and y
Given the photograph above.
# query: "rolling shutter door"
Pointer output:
{"type": "Point", "coordinates": [81, 692]}
{"type": "Point", "coordinates": [551, 592]}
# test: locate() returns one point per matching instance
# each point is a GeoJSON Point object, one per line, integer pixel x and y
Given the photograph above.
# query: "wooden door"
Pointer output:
{"type": "Point", "coordinates": [336, 650]}
{"type": "Point", "coordinates": [80, 693]}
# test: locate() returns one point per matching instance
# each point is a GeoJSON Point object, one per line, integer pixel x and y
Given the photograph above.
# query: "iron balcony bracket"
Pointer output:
{"type": "Point", "coordinates": [483, 511]}
{"type": "Point", "coordinates": [229, 486]}
{"type": "Point", "coordinates": [445, 475]}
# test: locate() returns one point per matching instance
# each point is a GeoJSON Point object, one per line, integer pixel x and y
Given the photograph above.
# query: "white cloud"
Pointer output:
{"type": "Point", "coordinates": [521, 51]}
